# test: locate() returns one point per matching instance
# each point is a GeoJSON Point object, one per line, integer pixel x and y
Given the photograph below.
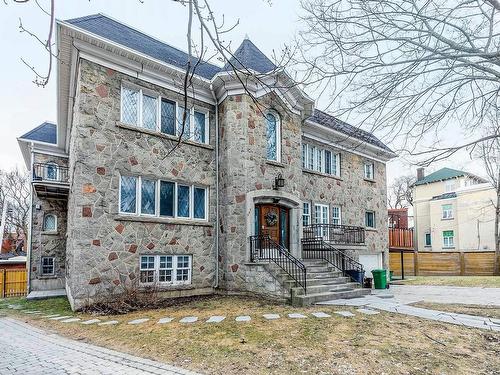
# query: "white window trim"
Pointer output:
{"type": "Point", "coordinates": [447, 213]}
{"type": "Point", "coordinates": [278, 134]}
{"type": "Point", "coordinates": [321, 211]}
{"type": "Point", "coordinates": [374, 219]}
{"type": "Point", "coordinates": [371, 169]}
{"type": "Point", "coordinates": [156, 270]}
{"type": "Point", "coordinates": [145, 91]}
{"type": "Point", "coordinates": [340, 214]}
{"type": "Point", "coordinates": [312, 164]}
{"type": "Point", "coordinates": [53, 266]}
{"type": "Point", "coordinates": [55, 223]}
{"type": "Point", "coordinates": [451, 243]}
{"type": "Point", "coordinates": [308, 215]}
{"type": "Point", "coordinates": [138, 199]}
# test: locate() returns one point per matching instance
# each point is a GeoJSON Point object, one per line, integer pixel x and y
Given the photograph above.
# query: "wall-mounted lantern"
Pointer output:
{"type": "Point", "coordinates": [279, 182]}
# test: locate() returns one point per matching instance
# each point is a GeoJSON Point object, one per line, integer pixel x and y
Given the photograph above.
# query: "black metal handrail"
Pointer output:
{"type": "Point", "coordinates": [262, 247]}
{"type": "Point", "coordinates": [316, 248]}
{"type": "Point", "coordinates": [50, 172]}
{"type": "Point", "coordinates": [335, 233]}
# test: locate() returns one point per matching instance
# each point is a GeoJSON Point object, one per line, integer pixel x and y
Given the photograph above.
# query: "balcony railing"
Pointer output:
{"type": "Point", "coordinates": [50, 172]}
{"type": "Point", "coordinates": [400, 238]}
{"type": "Point", "coordinates": [336, 233]}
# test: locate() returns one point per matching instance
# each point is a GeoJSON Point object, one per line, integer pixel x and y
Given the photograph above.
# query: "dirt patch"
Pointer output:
{"type": "Point", "coordinates": [383, 343]}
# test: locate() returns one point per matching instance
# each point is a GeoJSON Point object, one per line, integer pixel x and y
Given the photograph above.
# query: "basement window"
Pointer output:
{"type": "Point", "coordinates": [165, 269]}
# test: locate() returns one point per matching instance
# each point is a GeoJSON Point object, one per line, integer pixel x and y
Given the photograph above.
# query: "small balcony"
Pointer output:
{"type": "Point", "coordinates": [336, 233]}
{"type": "Point", "coordinates": [50, 181]}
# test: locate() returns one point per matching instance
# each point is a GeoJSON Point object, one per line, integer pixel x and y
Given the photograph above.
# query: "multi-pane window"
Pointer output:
{"type": "Point", "coordinates": [320, 160]}
{"type": "Point", "coordinates": [147, 269]}
{"type": "Point", "coordinates": [48, 266]}
{"type": "Point", "coordinates": [306, 214]}
{"type": "Point", "coordinates": [449, 186]}
{"type": "Point", "coordinates": [143, 109]}
{"type": "Point", "coordinates": [428, 241]}
{"type": "Point", "coordinates": [167, 269]}
{"type": "Point", "coordinates": [448, 238]}
{"type": "Point", "coordinates": [336, 215]}
{"type": "Point", "coordinates": [368, 169]}
{"type": "Point", "coordinates": [321, 216]}
{"type": "Point", "coordinates": [370, 219]}
{"type": "Point", "coordinates": [273, 135]}
{"type": "Point", "coordinates": [49, 223]}
{"type": "Point", "coordinates": [447, 211]}
{"type": "Point", "coordinates": [144, 196]}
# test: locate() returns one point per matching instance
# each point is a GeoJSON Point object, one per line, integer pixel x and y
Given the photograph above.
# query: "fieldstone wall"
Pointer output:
{"type": "Point", "coordinates": [50, 244]}
{"type": "Point", "coordinates": [104, 247]}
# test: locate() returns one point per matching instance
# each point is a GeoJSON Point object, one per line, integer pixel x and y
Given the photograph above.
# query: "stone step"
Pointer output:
{"type": "Point", "coordinates": [311, 298]}
{"type": "Point", "coordinates": [311, 282]}
{"type": "Point", "coordinates": [316, 269]}
{"type": "Point", "coordinates": [321, 288]}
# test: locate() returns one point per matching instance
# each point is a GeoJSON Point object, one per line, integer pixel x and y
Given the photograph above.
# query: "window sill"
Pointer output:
{"type": "Point", "coordinates": [448, 248]}
{"type": "Point", "coordinates": [428, 246]}
{"type": "Point", "coordinates": [369, 180]}
{"type": "Point", "coordinates": [368, 229]}
{"type": "Point", "coordinates": [276, 163]}
{"type": "Point", "coordinates": [162, 135]}
{"type": "Point", "coordinates": [49, 233]}
{"type": "Point", "coordinates": [448, 218]}
{"type": "Point", "coordinates": [322, 174]}
{"type": "Point", "coordinates": [46, 277]}
{"type": "Point", "coordinates": [163, 287]}
{"type": "Point", "coordinates": [162, 220]}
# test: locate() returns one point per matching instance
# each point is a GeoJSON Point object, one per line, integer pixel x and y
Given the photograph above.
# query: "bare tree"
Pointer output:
{"type": "Point", "coordinates": [400, 192]}
{"type": "Point", "coordinates": [15, 188]}
{"type": "Point", "coordinates": [409, 68]}
{"type": "Point", "coordinates": [489, 153]}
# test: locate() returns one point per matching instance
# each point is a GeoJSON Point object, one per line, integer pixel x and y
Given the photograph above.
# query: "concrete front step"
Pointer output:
{"type": "Point", "coordinates": [312, 282]}
{"type": "Point", "coordinates": [322, 288]}
{"type": "Point", "coordinates": [314, 275]}
{"type": "Point", "coordinates": [311, 298]}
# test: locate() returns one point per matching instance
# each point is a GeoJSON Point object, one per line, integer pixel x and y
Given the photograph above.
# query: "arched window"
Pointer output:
{"type": "Point", "coordinates": [51, 171]}
{"type": "Point", "coordinates": [273, 136]}
{"type": "Point", "coordinates": [49, 223]}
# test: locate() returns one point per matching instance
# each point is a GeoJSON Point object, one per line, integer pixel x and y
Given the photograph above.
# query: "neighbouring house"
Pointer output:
{"type": "Point", "coordinates": [453, 210]}
{"type": "Point", "coordinates": [265, 194]}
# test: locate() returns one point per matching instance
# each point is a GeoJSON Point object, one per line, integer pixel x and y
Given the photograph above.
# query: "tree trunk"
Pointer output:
{"type": "Point", "coordinates": [496, 270]}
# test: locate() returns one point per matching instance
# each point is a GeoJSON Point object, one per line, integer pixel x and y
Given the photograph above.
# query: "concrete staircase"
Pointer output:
{"type": "Point", "coordinates": [324, 283]}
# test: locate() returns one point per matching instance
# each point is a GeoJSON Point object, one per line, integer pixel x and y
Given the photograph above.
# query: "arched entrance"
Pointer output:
{"type": "Point", "coordinates": [274, 220]}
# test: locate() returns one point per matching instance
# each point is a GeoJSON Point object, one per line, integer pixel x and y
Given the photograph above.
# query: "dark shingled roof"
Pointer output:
{"type": "Point", "coordinates": [248, 56]}
{"type": "Point", "coordinates": [119, 33]}
{"type": "Point", "coordinates": [46, 132]}
{"type": "Point", "coordinates": [444, 196]}
{"type": "Point", "coordinates": [446, 174]}
{"type": "Point", "coordinates": [325, 119]}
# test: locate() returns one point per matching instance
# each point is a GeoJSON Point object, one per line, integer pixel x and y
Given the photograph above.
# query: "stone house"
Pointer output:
{"type": "Point", "coordinates": [265, 194]}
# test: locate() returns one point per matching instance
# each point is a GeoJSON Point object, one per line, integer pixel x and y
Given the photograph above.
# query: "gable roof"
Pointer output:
{"type": "Point", "coordinates": [117, 32]}
{"type": "Point", "coordinates": [45, 132]}
{"type": "Point", "coordinates": [330, 121]}
{"type": "Point", "coordinates": [445, 174]}
{"type": "Point", "coordinates": [248, 56]}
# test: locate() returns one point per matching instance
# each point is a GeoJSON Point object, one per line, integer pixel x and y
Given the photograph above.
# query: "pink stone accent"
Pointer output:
{"type": "Point", "coordinates": [132, 160]}
{"type": "Point", "coordinates": [99, 147]}
{"type": "Point", "coordinates": [112, 256]}
{"type": "Point", "coordinates": [95, 280]}
{"type": "Point", "coordinates": [132, 248]}
{"type": "Point", "coordinates": [119, 228]}
{"type": "Point", "coordinates": [88, 188]}
{"type": "Point", "coordinates": [86, 211]}
{"type": "Point", "coordinates": [173, 241]}
{"type": "Point", "coordinates": [101, 171]}
{"type": "Point", "coordinates": [239, 115]}
{"type": "Point", "coordinates": [150, 246]}
{"type": "Point", "coordinates": [258, 186]}
{"type": "Point", "coordinates": [234, 267]}
{"type": "Point", "coordinates": [175, 172]}
{"type": "Point", "coordinates": [96, 242]}
{"type": "Point", "coordinates": [102, 91]}
{"type": "Point", "coordinates": [116, 282]}
{"type": "Point", "coordinates": [240, 198]}
{"type": "Point", "coordinates": [202, 268]}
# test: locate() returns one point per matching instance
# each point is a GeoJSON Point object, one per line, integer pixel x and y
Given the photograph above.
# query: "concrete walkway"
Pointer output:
{"type": "Point", "coordinates": [29, 350]}
{"type": "Point", "coordinates": [398, 299]}
{"type": "Point", "coordinates": [444, 294]}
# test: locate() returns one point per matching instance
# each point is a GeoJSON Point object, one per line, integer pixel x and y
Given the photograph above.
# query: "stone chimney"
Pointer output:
{"type": "Point", "coordinates": [420, 174]}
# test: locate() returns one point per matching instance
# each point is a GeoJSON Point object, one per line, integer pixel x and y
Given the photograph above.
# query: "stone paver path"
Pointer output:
{"type": "Point", "coordinates": [29, 350]}
{"type": "Point", "coordinates": [189, 319]}
{"type": "Point", "coordinates": [297, 316]}
{"type": "Point", "coordinates": [243, 318]}
{"type": "Point", "coordinates": [345, 314]}
{"type": "Point", "coordinates": [320, 315]}
{"type": "Point", "coordinates": [368, 311]}
{"type": "Point", "coordinates": [216, 319]}
{"type": "Point", "coordinates": [70, 320]}
{"type": "Point", "coordinates": [108, 323]}
{"type": "Point", "coordinates": [91, 321]}
{"type": "Point", "coordinates": [138, 321]}
{"type": "Point", "coordinates": [271, 316]}
{"type": "Point", "coordinates": [165, 320]}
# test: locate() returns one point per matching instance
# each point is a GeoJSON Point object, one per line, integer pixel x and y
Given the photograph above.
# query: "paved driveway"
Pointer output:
{"type": "Point", "coordinates": [444, 294]}
{"type": "Point", "coordinates": [29, 350]}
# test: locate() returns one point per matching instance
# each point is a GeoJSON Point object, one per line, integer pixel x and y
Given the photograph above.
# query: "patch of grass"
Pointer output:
{"type": "Point", "coordinates": [383, 343]}
{"type": "Point", "coordinates": [59, 305]}
{"type": "Point", "coordinates": [471, 281]}
{"type": "Point", "coordinates": [478, 310]}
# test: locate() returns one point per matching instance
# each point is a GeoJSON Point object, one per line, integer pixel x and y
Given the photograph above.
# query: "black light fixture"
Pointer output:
{"type": "Point", "coordinates": [279, 182]}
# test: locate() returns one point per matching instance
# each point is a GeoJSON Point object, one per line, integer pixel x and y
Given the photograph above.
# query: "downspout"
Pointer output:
{"type": "Point", "coordinates": [30, 225]}
{"type": "Point", "coordinates": [217, 213]}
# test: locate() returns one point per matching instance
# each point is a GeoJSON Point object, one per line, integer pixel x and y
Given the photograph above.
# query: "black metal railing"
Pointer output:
{"type": "Point", "coordinates": [50, 172]}
{"type": "Point", "coordinates": [317, 248]}
{"type": "Point", "coordinates": [263, 248]}
{"type": "Point", "coordinates": [335, 233]}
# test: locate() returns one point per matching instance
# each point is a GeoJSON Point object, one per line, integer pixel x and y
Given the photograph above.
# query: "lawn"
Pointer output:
{"type": "Point", "coordinates": [383, 343]}
{"type": "Point", "coordinates": [478, 281]}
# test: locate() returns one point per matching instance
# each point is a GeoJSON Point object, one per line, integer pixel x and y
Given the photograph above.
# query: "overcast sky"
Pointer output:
{"type": "Point", "coordinates": [24, 105]}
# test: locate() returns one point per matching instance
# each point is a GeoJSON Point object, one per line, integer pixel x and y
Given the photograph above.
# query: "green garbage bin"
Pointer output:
{"type": "Point", "coordinates": [380, 278]}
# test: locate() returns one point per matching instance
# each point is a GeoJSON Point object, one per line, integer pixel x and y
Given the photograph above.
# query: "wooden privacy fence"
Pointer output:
{"type": "Point", "coordinates": [13, 283]}
{"type": "Point", "coordinates": [449, 263]}
{"type": "Point", "coordinates": [401, 238]}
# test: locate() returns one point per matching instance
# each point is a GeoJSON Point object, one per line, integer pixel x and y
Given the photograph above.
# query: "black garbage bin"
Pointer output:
{"type": "Point", "coordinates": [356, 275]}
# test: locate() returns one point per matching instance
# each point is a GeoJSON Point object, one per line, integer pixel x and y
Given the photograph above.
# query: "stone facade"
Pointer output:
{"type": "Point", "coordinates": [48, 243]}
{"type": "Point", "coordinates": [104, 247]}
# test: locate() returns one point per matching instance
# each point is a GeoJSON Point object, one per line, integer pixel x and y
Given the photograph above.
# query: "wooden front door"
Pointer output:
{"type": "Point", "coordinates": [275, 221]}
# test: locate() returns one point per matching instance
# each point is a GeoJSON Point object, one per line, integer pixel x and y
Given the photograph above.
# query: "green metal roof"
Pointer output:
{"type": "Point", "coordinates": [441, 175]}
